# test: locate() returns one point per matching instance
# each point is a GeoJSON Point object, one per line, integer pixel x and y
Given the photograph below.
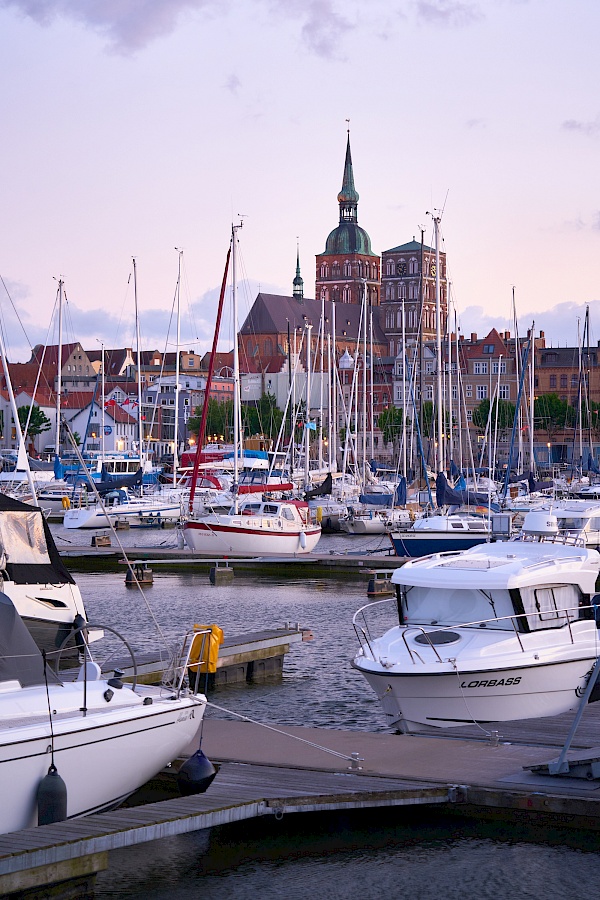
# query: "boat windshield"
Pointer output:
{"type": "Point", "coordinates": [571, 523]}
{"type": "Point", "coordinates": [443, 606]}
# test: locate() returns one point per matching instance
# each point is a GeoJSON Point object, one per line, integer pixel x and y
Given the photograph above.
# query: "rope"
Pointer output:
{"type": "Point", "coordinates": [279, 731]}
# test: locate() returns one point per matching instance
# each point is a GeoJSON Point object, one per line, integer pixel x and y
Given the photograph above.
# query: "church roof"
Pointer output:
{"type": "Point", "coordinates": [410, 247]}
{"type": "Point", "coordinates": [348, 238]}
{"type": "Point", "coordinates": [271, 313]}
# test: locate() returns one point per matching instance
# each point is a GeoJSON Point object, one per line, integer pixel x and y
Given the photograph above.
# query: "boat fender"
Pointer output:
{"type": "Point", "coordinates": [80, 630]}
{"type": "Point", "coordinates": [51, 798]}
{"type": "Point", "coordinates": [66, 503]}
{"type": "Point", "coordinates": [302, 540]}
{"type": "Point", "coordinates": [195, 775]}
{"type": "Point", "coordinates": [319, 514]}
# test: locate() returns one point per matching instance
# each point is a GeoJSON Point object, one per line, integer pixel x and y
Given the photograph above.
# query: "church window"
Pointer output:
{"type": "Point", "coordinates": [336, 294]}
{"type": "Point", "coordinates": [402, 291]}
{"type": "Point", "coordinates": [347, 269]}
{"type": "Point", "coordinates": [346, 294]}
{"type": "Point", "coordinates": [250, 347]}
{"type": "Point", "coordinates": [399, 318]}
{"type": "Point", "coordinates": [268, 347]}
{"type": "Point", "coordinates": [374, 271]}
{"type": "Point", "coordinates": [412, 291]}
{"type": "Point", "coordinates": [324, 271]}
{"type": "Point", "coordinates": [413, 266]}
{"type": "Point", "coordinates": [335, 270]}
{"type": "Point", "coordinates": [389, 267]}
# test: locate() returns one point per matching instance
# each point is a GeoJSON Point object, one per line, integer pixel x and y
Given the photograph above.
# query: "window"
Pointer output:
{"type": "Point", "coordinates": [488, 348]}
{"type": "Point", "coordinates": [347, 269]}
{"type": "Point", "coordinates": [454, 392]}
{"type": "Point", "coordinates": [563, 381]}
{"type": "Point", "coordinates": [499, 364]}
{"type": "Point", "coordinates": [480, 368]}
{"type": "Point", "coordinates": [469, 415]}
{"type": "Point", "coordinates": [469, 390]}
{"type": "Point", "coordinates": [574, 380]}
{"type": "Point", "coordinates": [428, 368]}
{"type": "Point", "coordinates": [324, 271]}
{"type": "Point", "coordinates": [504, 391]}
{"type": "Point", "coordinates": [482, 391]}
{"type": "Point", "coordinates": [191, 361]}
{"type": "Point", "coordinates": [553, 381]}
{"type": "Point", "coordinates": [429, 392]}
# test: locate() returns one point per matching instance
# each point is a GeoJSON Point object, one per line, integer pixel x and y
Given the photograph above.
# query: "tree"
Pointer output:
{"type": "Point", "coordinates": [552, 414]}
{"type": "Point", "coordinates": [219, 418]}
{"type": "Point", "coordinates": [390, 423]}
{"type": "Point", "coordinates": [263, 417]}
{"type": "Point", "coordinates": [38, 421]}
{"type": "Point", "coordinates": [506, 414]}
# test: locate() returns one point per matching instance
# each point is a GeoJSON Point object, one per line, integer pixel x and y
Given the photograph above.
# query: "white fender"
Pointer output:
{"type": "Point", "coordinates": [303, 540]}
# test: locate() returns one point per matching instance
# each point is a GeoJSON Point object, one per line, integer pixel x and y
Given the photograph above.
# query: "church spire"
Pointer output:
{"type": "Point", "coordinates": [348, 196]}
{"type": "Point", "coordinates": [298, 282]}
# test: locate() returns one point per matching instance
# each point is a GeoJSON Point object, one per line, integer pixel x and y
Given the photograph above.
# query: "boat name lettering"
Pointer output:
{"type": "Point", "coordinates": [493, 682]}
{"type": "Point", "coordinates": [189, 714]}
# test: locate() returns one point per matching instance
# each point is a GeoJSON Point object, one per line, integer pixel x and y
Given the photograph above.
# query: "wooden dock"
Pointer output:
{"type": "Point", "coordinates": [72, 852]}
{"type": "Point", "coordinates": [292, 770]}
{"type": "Point", "coordinates": [92, 559]}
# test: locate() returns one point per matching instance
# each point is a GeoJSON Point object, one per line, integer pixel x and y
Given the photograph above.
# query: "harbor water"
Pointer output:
{"type": "Point", "coordinates": [419, 852]}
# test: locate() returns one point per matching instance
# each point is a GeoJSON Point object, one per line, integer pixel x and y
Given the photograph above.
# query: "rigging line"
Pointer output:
{"type": "Point", "coordinates": [100, 501]}
{"type": "Point", "coordinates": [15, 312]}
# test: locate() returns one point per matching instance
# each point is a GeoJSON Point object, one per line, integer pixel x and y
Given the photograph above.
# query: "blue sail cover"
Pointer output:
{"type": "Point", "coordinates": [447, 496]}
{"type": "Point", "coordinates": [401, 492]}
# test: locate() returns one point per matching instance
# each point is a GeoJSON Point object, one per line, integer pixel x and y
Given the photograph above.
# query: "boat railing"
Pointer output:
{"type": "Point", "coordinates": [196, 658]}
{"type": "Point", "coordinates": [570, 614]}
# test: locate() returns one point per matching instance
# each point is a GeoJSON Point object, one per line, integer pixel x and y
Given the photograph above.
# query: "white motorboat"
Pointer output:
{"type": "Point", "coordinates": [150, 511]}
{"type": "Point", "coordinates": [254, 528]}
{"type": "Point", "coordinates": [375, 520]}
{"type": "Point", "coordinates": [499, 632]}
{"type": "Point", "coordinates": [105, 738]}
{"type": "Point", "coordinates": [32, 574]}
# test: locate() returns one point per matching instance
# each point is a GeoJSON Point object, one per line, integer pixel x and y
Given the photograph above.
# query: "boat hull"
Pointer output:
{"type": "Point", "coordinates": [213, 537]}
{"type": "Point", "coordinates": [136, 516]}
{"type": "Point", "coordinates": [414, 701]}
{"type": "Point", "coordinates": [414, 545]}
{"type": "Point", "coordinates": [102, 757]}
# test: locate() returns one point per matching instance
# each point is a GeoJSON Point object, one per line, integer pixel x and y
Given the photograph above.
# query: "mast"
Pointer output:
{"type": "Point", "coordinates": [333, 389]}
{"type": "Point", "coordinates": [308, 423]}
{"type": "Point", "coordinates": [21, 454]}
{"type": "Point", "coordinates": [103, 395]}
{"type": "Point", "coordinates": [177, 373]}
{"type": "Point", "coordinates": [59, 366]}
{"type": "Point", "coordinates": [438, 347]}
{"type": "Point", "coordinates": [139, 361]}
{"type": "Point", "coordinates": [321, 384]}
{"type": "Point", "coordinates": [236, 365]}
{"type": "Point", "coordinates": [449, 403]}
{"type": "Point", "coordinates": [404, 366]}
{"type": "Point", "coordinates": [531, 395]}
{"type": "Point", "coordinates": [364, 396]}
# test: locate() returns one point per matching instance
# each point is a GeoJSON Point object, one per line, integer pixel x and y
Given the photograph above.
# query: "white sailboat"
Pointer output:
{"type": "Point", "coordinates": [99, 738]}
{"type": "Point", "coordinates": [264, 527]}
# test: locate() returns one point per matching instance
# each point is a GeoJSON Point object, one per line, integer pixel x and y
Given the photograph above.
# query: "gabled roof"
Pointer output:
{"type": "Point", "coordinates": [411, 247]}
{"type": "Point", "coordinates": [271, 314]}
{"type": "Point", "coordinates": [51, 354]}
{"type": "Point", "coordinates": [474, 350]}
{"type": "Point", "coordinates": [114, 360]}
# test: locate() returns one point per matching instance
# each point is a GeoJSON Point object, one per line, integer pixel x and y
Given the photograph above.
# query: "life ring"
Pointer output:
{"type": "Point", "coordinates": [66, 503]}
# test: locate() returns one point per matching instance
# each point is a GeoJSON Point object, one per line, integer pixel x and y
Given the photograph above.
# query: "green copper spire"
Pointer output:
{"type": "Point", "coordinates": [348, 196]}
{"type": "Point", "coordinates": [298, 282]}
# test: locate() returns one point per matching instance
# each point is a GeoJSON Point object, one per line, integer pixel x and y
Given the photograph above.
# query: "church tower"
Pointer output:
{"type": "Point", "coordinates": [298, 282]}
{"type": "Point", "coordinates": [348, 265]}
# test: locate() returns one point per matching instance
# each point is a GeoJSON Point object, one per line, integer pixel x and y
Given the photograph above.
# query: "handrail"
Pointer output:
{"type": "Point", "coordinates": [481, 623]}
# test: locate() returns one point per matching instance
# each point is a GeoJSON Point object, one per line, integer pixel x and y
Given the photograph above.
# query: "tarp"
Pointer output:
{"type": "Point", "coordinates": [109, 482]}
{"type": "Point", "coordinates": [400, 499]}
{"type": "Point", "coordinates": [447, 496]}
{"type": "Point", "coordinates": [592, 465]}
{"type": "Point", "coordinates": [538, 485]}
{"type": "Point", "coordinates": [376, 499]}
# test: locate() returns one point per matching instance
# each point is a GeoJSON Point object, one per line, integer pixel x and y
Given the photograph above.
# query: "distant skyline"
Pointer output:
{"type": "Point", "coordinates": [133, 128]}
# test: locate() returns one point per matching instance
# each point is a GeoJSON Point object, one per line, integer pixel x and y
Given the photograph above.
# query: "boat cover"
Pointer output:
{"type": "Point", "coordinates": [28, 546]}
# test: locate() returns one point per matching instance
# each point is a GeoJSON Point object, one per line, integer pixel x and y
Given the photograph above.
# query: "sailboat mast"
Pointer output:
{"type": "Point", "coordinates": [333, 389]}
{"type": "Point", "coordinates": [364, 396]}
{"type": "Point", "coordinates": [321, 384]}
{"type": "Point", "coordinates": [177, 373]}
{"type": "Point", "coordinates": [21, 452]}
{"type": "Point", "coordinates": [307, 423]}
{"type": "Point", "coordinates": [139, 360]}
{"type": "Point", "coordinates": [59, 366]}
{"type": "Point", "coordinates": [404, 373]}
{"type": "Point", "coordinates": [532, 397]}
{"type": "Point", "coordinates": [236, 365]}
{"type": "Point", "coordinates": [438, 347]}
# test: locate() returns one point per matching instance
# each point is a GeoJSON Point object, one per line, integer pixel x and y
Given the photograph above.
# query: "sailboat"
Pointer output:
{"type": "Point", "coordinates": [259, 525]}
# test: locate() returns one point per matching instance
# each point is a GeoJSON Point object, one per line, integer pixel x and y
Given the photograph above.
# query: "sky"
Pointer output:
{"type": "Point", "coordinates": [138, 128]}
